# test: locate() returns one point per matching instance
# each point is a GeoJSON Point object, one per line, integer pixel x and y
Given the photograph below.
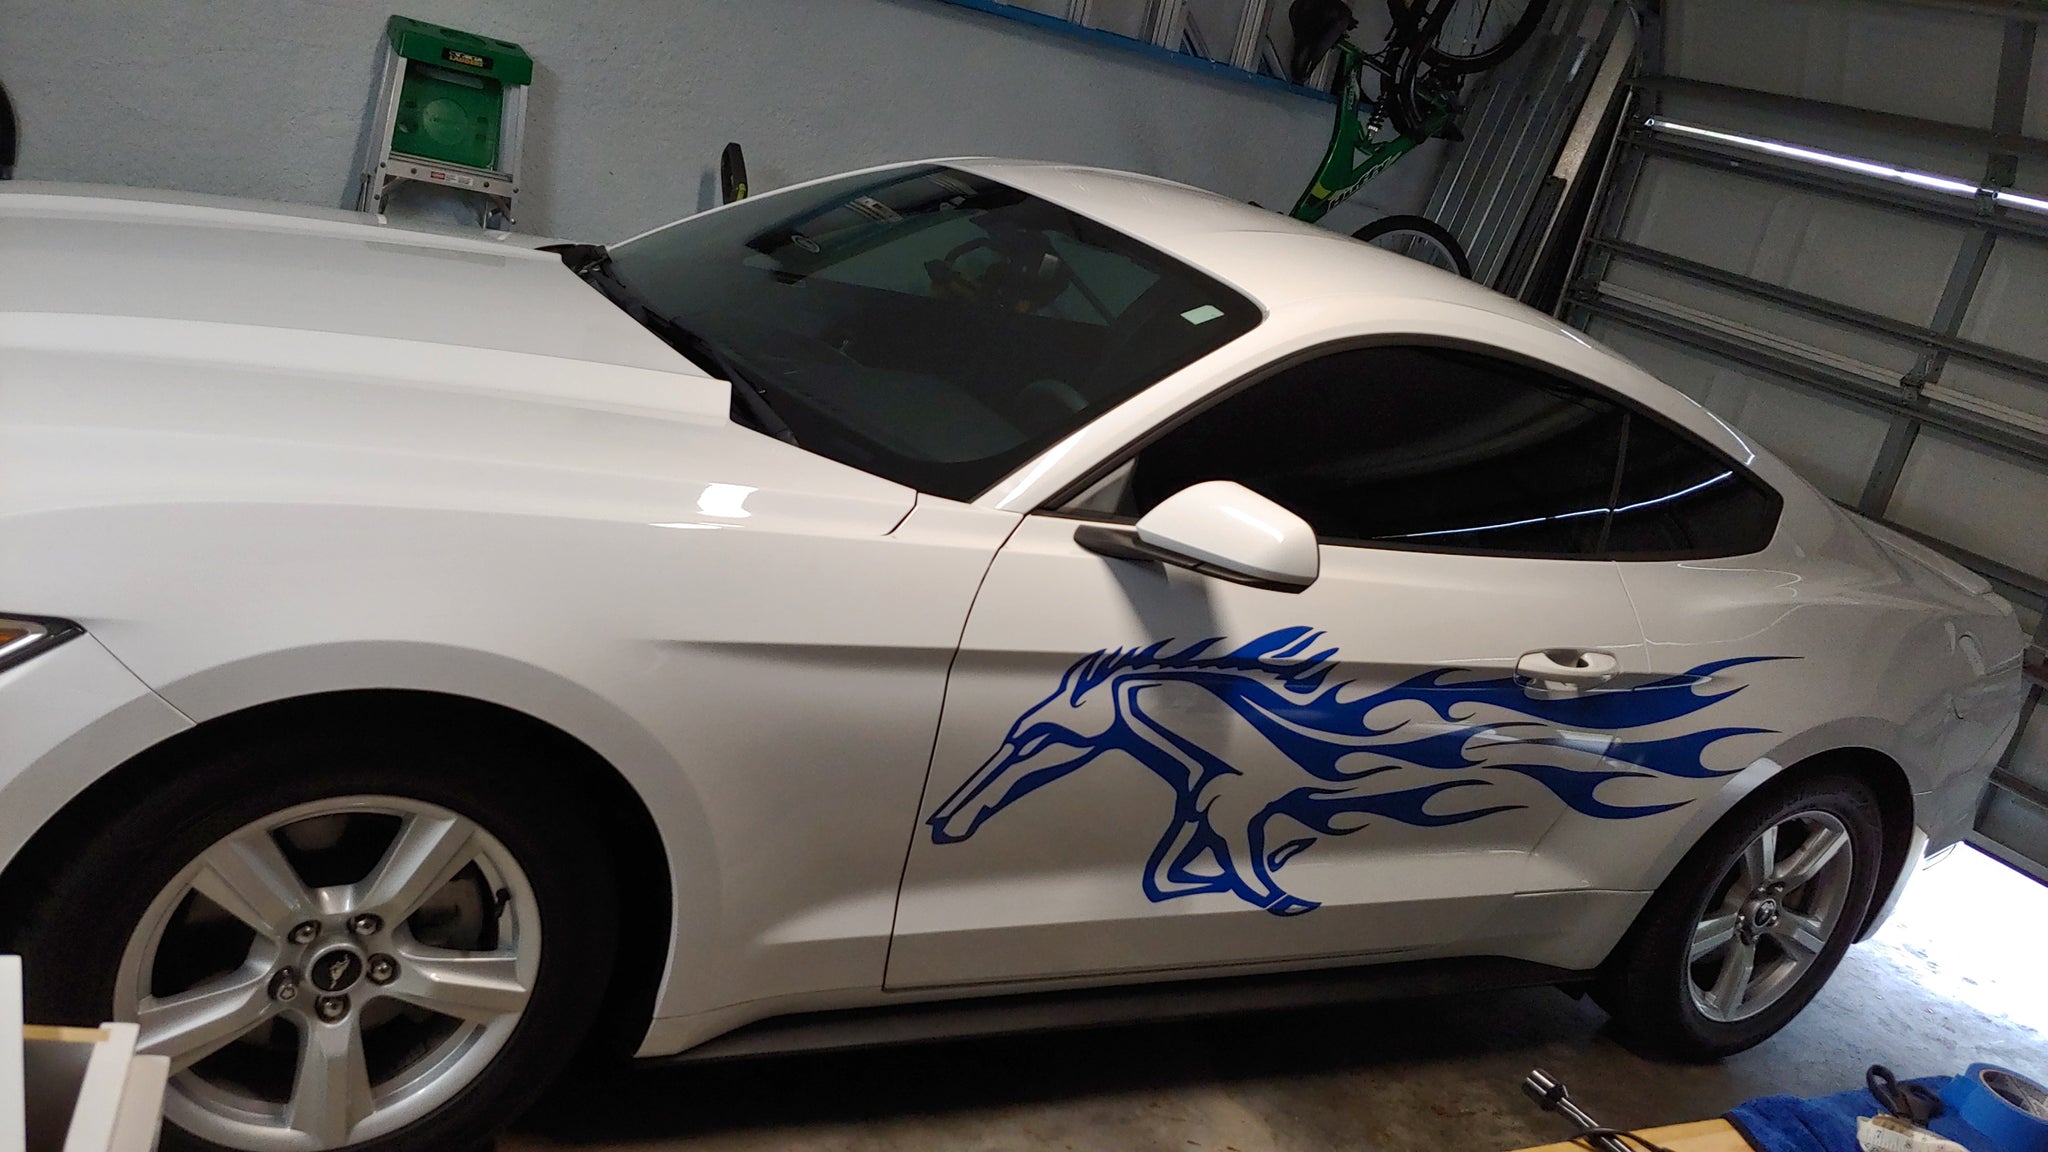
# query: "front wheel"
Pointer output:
{"type": "Point", "coordinates": [1750, 924]}
{"type": "Point", "coordinates": [1418, 237]}
{"type": "Point", "coordinates": [340, 939]}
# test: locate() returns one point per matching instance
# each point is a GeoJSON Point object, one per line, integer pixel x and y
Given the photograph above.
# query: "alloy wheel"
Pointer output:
{"type": "Point", "coordinates": [331, 973]}
{"type": "Point", "coordinates": [1771, 916]}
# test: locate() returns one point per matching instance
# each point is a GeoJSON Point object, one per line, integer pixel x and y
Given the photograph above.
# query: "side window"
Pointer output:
{"type": "Point", "coordinates": [1680, 500]}
{"type": "Point", "coordinates": [1407, 446]}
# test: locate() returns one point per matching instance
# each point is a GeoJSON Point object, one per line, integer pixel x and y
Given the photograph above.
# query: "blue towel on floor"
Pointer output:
{"type": "Point", "coordinates": [1828, 1123]}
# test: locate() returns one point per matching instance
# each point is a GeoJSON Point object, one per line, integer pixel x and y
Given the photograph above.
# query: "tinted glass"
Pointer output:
{"type": "Point", "coordinates": [1678, 499]}
{"type": "Point", "coordinates": [1417, 447]}
{"type": "Point", "coordinates": [928, 325]}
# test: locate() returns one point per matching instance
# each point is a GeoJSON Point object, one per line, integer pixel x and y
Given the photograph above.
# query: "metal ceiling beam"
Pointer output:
{"type": "Point", "coordinates": [1825, 309]}
{"type": "Point", "coordinates": [1848, 116]}
{"type": "Point", "coordinates": [2004, 439]}
{"type": "Point", "coordinates": [2028, 10]}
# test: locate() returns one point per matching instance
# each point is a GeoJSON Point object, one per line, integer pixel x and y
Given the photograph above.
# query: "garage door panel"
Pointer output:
{"type": "Point", "coordinates": [1666, 213]}
{"type": "Point", "coordinates": [1832, 445]}
{"type": "Point", "coordinates": [1988, 504]}
{"type": "Point", "coordinates": [2010, 307]}
{"type": "Point", "coordinates": [2032, 174]}
{"type": "Point", "coordinates": [1883, 262]}
{"type": "Point", "coordinates": [1847, 317]}
{"type": "Point", "coordinates": [1799, 240]}
{"type": "Point", "coordinates": [1841, 51]}
{"type": "Point", "coordinates": [1879, 357]}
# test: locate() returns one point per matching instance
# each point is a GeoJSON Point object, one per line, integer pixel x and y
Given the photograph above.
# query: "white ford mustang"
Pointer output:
{"type": "Point", "coordinates": [843, 613]}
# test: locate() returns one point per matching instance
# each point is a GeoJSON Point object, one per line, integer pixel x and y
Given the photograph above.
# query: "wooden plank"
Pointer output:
{"type": "Point", "coordinates": [59, 1034]}
{"type": "Point", "coordinates": [1698, 1136]}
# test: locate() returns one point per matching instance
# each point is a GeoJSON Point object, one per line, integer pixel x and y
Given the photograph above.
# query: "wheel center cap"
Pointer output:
{"type": "Point", "coordinates": [1763, 913]}
{"type": "Point", "coordinates": [336, 970]}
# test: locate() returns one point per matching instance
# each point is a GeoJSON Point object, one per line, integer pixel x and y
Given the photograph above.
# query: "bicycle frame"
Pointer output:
{"type": "Point", "coordinates": [1351, 158]}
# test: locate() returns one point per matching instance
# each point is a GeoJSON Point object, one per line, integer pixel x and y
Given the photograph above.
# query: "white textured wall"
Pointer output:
{"type": "Point", "coordinates": [634, 98]}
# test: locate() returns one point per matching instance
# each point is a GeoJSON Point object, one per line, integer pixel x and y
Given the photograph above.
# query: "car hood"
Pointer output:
{"type": "Point", "coordinates": [205, 262]}
{"type": "Point", "coordinates": [164, 349]}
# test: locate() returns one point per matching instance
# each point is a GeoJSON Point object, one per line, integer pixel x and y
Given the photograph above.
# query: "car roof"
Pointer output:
{"type": "Point", "coordinates": [1284, 264]}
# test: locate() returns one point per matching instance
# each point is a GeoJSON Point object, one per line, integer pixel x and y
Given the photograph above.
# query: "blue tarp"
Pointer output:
{"type": "Point", "coordinates": [1828, 1123]}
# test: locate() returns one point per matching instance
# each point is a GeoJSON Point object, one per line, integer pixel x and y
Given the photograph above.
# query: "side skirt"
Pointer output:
{"type": "Point", "coordinates": [1176, 1000]}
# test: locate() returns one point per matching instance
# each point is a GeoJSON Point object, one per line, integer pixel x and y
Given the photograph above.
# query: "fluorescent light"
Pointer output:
{"type": "Point", "coordinates": [2030, 203]}
{"type": "Point", "coordinates": [1891, 173]}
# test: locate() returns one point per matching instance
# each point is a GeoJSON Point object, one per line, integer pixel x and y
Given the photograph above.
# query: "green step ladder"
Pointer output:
{"type": "Point", "coordinates": [451, 113]}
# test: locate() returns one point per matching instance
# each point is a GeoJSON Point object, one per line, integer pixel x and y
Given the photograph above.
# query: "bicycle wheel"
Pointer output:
{"type": "Point", "coordinates": [1475, 34]}
{"type": "Point", "coordinates": [1420, 238]}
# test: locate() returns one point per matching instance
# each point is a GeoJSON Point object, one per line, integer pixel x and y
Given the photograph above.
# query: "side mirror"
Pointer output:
{"type": "Point", "coordinates": [1218, 528]}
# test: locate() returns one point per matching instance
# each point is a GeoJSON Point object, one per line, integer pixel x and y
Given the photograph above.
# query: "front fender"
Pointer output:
{"type": "Point", "coordinates": [40, 774]}
{"type": "Point", "coordinates": [67, 717]}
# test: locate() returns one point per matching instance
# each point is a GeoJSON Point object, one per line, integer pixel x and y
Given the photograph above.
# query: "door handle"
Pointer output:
{"type": "Point", "coordinates": [1560, 669]}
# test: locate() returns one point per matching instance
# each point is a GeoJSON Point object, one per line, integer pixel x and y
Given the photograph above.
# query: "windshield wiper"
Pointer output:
{"type": "Point", "coordinates": [593, 262]}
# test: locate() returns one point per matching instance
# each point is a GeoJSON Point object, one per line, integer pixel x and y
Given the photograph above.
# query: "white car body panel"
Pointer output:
{"type": "Point", "coordinates": [985, 908]}
{"type": "Point", "coordinates": [260, 455]}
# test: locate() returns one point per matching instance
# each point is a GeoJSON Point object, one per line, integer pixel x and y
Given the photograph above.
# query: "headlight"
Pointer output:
{"type": "Point", "coordinates": [24, 636]}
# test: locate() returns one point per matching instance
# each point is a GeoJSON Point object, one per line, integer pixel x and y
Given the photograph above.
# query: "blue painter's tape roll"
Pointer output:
{"type": "Point", "coordinates": [2010, 1110]}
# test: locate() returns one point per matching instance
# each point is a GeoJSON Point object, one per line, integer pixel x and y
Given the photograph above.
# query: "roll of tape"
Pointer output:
{"type": "Point", "coordinates": [2009, 1110]}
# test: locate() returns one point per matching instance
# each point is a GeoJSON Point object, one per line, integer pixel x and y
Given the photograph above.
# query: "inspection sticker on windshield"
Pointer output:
{"type": "Point", "coordinates": [1202, 315]}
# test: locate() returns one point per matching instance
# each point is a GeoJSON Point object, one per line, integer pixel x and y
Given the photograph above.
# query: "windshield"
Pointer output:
{"type": "Point", "coordinates": [927, 325]}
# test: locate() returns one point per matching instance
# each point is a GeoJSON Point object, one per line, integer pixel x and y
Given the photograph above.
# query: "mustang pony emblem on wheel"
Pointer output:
{"type": "Point", "coordinates": [1335, 761]}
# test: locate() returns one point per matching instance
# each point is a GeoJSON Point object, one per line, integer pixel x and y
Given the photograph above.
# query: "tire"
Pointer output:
{"type": "Point", "coordinates": [119, 924]}
{"type": "Point", "coordinates": [1660, 998]}
{"type": "Point", "coordinates": [1477, 57]}
{"type": "Point", "coordinates": [1392, 227]}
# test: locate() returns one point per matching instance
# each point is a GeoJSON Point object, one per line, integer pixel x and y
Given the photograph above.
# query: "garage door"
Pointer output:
{"type": "Point", "coordinates": [1828, 222]}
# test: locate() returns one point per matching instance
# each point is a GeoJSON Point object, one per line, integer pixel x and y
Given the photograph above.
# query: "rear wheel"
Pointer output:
{"type": "Point", "coordinates": [1475, 34]}
{"type": "Point", "coordinates": [1750, 924]}
{"type": "Point", "coordinates": [339, 940]}
{"type": "Point", "coordinates": [1419, 238]}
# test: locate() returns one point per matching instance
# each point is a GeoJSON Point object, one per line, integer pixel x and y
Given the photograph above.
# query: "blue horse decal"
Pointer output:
{"type": "Point", "coordinates": [1157, 706]}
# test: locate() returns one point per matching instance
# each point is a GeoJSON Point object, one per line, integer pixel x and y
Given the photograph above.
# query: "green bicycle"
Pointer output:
{"type": "Point", "coordinates": [1429, 51]}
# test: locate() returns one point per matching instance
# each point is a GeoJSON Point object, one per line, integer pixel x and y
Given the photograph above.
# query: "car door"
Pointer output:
{"type": "Point", "coordinates": [1140, 767]}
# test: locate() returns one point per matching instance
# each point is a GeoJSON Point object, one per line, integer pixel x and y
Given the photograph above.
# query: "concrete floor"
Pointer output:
{"type": "Point", "coordinates": [1956, 976]}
